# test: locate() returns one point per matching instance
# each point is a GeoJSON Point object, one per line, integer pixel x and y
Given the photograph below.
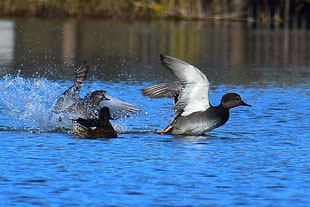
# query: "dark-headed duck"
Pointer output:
{"type": "Point", "coordinates": [94, 128]}
{"type": "Point", "coordinates": [194, 114]}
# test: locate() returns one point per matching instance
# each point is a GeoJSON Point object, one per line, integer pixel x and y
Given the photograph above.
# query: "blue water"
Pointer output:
{"type": "Point", "coordinates": [260, 157]}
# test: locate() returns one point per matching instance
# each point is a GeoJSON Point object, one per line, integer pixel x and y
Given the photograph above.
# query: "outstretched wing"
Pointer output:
{"type": "Point", "coordinates": [163, 90]}
{"type": "Point", "coordinates": [80, 76]}
{"type": "Point", "coordinates": [118, 108]}
{"type": "Point", "coordinates": [194, 95]}
{"type": "Point", "coordinates": [71, 95]}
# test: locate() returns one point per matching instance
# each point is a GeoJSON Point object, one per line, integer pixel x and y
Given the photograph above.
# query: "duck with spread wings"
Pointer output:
{"type": "Point", "coordinates": [71, 103]}
{"type": "Point", "coordinates": [194, 114]}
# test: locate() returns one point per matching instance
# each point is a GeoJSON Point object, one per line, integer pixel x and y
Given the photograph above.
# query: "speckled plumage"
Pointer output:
{"type": "Point", "coordinates": [71, 103]}
{"type": "Point", "coordinates": [94, 128]}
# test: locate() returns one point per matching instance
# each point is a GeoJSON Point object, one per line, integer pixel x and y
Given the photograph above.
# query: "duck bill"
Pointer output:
{"type": "Point", "coordinates": [245, 104]}
{"type": "Point", "coordinates": [105, 98]}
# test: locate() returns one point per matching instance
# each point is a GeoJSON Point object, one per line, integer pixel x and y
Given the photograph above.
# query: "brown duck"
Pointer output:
{"type": "Point", "coordinates": [95, 128]}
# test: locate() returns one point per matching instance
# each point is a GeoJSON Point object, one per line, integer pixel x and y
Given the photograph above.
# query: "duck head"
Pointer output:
{"type": "Point", "coordinates": [231, 100]}
{"type": "Point", "coordinates": [97, 96]}
{"type": "Point", "coordinates": [104, 113]}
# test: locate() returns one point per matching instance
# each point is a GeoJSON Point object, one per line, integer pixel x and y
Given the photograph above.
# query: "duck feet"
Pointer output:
{"type": "Point", "coordinates": [165, 130]}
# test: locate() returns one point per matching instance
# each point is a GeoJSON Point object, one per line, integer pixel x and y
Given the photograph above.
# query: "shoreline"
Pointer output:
{"type": "Point", "coordinates": [271, 14]}
{"type": "Point", "coordinates": [122, 9]}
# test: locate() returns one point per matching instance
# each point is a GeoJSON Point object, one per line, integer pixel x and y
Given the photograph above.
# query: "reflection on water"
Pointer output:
{"type": "Point", "coordinates": [231, 53]}
{"type": "Point", "coordinates": [6, 42]}
{"type": "Point", "coordinates": [259, 158]}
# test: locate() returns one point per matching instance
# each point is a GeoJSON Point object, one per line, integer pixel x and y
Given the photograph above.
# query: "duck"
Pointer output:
{"type": "Point", "coordinates": [89, 106]}
{"type": "Point", "coordinates": [194, 115]}
{"type": "Point", "coordinates": [72, 94]}
{"type": "Point", "coordinates": [70, 102]}
{"type": "Point", "coordinates": [95, 128]}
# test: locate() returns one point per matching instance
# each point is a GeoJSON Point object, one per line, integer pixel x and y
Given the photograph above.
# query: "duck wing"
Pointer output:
{"type": "Point", "coordinates": [80, 76]}
{"type": "Point", "coordinates": [87, 123]}
{"type": "Point", "coordinates": [194, 95]}
{"type": "Point", "coordinates": [118, 108]}
{"type": "Point", "coordinates": [163, 90]}
{"type": "Point", "coordinates": [71, 95]}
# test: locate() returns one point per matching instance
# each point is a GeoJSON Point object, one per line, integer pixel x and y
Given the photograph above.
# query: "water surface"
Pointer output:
{"type": "Point", "coordinates": [259, 158]}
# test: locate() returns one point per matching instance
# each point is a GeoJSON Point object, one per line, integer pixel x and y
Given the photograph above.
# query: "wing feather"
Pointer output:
{"type": "Point", "coordinates": [71, 95]}
{"type": "Point", "coordinates": [163, 90]}
{"type": "Point", "coordinates": [118, 108]}
{"type": "Point", "coordinates": [194, 95]}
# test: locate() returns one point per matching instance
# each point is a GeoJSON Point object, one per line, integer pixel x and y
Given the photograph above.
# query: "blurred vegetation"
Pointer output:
{"type": "Point", "coordinates": [262, 11]}
{"type": "Point", "coordinates": [46, 8]}
{"type": "Point", "coordinates": [184, 9]}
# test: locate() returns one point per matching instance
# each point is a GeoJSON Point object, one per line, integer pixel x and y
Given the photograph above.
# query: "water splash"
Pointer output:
{"type": "Point", "coordinates": [25, 104]}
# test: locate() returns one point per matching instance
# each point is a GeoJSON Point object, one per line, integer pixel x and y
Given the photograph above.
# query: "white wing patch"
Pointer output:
{"type": "Point", "coordinates": [193, 107]}
{"type": "Point", "coordinates": [194, 96]}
